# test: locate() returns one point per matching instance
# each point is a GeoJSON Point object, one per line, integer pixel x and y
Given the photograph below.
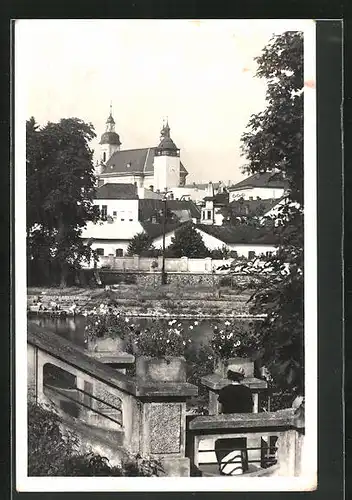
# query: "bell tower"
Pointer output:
{"type": "Point", "coordinates": [110, 140]}
{"type": "Point", "coordinates": [166, 162]}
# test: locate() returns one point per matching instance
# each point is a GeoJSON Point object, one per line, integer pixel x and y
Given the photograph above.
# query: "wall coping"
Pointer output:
{"type": "Point", "coordinates": [215, 382]}
{"type": "Point", "coordinates": [67, 352]}
{"type": "Point", "coordinates": [236, 422]}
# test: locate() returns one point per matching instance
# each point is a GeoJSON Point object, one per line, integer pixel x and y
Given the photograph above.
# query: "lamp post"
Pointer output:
{"type": "Point", "coordinates": [163, 273]}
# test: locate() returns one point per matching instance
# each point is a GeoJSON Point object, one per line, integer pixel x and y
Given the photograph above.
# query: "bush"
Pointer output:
{"type": "Point", "coordinates": [51, 453]}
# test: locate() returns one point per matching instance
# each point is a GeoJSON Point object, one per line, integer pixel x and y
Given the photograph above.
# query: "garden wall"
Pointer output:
{"type": "Point", "coordinates": [182, 264]}
{"type": "Point", "coordinates": [109, 277]}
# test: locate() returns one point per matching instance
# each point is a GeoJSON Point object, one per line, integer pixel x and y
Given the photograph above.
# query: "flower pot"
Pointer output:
{"type": "Point", "coordinates": [166, 369]}
{"type": "Point", "coordinates": [108, 344]}
{"type": "Point", "coordinates": [235, 364]}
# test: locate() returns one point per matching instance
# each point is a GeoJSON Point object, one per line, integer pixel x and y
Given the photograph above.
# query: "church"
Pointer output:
{"type": "Point", "coordinates": [156, 169]}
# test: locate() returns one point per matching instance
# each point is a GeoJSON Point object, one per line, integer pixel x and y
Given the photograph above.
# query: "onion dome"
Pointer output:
{"type": "Point", "coordinates": [167, 143]}
{"type": "Point", "coordinates": [110, 138]}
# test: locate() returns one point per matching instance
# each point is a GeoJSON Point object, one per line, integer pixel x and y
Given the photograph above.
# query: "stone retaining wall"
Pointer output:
{"type": "Point", "coordinates": [154, 279]}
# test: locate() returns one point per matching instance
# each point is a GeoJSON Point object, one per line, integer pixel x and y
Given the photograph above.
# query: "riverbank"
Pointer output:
{"type": "Point", "coordinates": [168, 301]}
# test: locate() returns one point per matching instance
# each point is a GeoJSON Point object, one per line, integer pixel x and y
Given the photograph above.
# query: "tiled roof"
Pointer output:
{"type": "Point", "coordinates": [201, 185]}
{"type": "Point", "coordinates": [148, 207]}
{"type": "Point", "coordinates": [266, 179]}
{"type": "Point", "coordinates": [219, 198]}
{"type": "Point", "coordinates": [133, 161]}
{"type": "Point", "coordinates": [239, 234]}
{"type": "Point", "coordinates": [111, 191]}
{"type": "Point", "coordinates": [156, 230]}
{"type": "Point", "coordinates": [252, 207]}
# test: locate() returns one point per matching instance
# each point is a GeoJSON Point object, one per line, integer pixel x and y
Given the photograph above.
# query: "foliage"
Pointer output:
{"type": "Point", "coordinates": [140, 243]}
{"type": "Point", "coordinates": [274, 137]}
{"type": "Point", "coordinates": [158, 341]}
{"type": "Point", "coordinates": [53, 453]}
{"type": "Point", "coordinates": [231, 340]}
{"type": "Point", "coordinates": [220, 253]}
{"type": "Point", "coordinates": [274, 140]}
{"type": "Point", "coordinates": [187, 242]}
{"type": "Point", "coordinates": [60, 188]}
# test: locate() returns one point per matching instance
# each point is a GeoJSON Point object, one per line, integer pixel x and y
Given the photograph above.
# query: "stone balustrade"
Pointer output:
{"type": "Point", "coordinates": [153, 413]}
{"type": "Point", "coordinates": [274, 441]}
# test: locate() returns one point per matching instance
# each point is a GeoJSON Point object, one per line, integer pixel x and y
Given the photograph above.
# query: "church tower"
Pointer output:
{"type": "Point", "coordinates": [166, 162]}
{"type": "Point", "coordinates": [110, 140]}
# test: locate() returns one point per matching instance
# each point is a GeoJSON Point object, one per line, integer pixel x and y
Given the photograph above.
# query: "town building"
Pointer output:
{"type": "Point", "coordinates": [124, 215]}
{"type": "Point", "coordinates": [260, 186]}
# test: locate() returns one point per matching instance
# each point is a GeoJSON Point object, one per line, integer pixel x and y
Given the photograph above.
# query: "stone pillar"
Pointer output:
{"type": "Point", "coordinates": [184, 264]}
{"type": "Point", "coordinates": [163, 425]}
{"type": "Point", "coordinates": [160, 262]}
{"type": "Point", "coordinates": [136, 262]}
{"type": "Point", "coordinates": [208, 264]}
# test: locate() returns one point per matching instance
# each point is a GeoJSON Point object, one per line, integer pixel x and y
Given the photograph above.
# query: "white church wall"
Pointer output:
{"type": "Point", "coordinates": [166, 172]}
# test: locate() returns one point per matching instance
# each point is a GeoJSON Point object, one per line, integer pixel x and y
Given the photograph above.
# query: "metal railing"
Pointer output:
{"type": "Point", "coordinates": [81, 403]}
{"type": "Point", "coordinates": [267, 459]}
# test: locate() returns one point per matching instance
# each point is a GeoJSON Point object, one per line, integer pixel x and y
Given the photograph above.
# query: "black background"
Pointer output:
{"type": "Point", "coordinates": [330, 217]}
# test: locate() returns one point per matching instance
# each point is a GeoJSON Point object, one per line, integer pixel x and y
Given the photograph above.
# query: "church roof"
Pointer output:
{"type": "Point", "coordinates": [110, 138]}
{"type": "Point", "coordinates": [133, 161]}
{"type": "Point", "coordinates": [265, 180]}
{"type": "Point", "coordinates": [116, 192]}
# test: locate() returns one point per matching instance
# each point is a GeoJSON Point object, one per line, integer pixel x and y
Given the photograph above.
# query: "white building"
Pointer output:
{"type": "Point", "coordinates": [259, 186]}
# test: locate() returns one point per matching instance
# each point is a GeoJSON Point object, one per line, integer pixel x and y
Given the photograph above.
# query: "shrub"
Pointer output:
{"type": "Point", "coordinates": [51, 453]}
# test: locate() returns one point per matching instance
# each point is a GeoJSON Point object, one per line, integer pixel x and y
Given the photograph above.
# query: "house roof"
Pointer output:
{"type": "Point", "coordinates": [219, 198]}
{"type": "Point", "coordinates": [202, 185]}
{"type": "Point", "coordinates": [265, 180]}
{"type": "Point", "coordinates": [239, 234]}
{"type": "Point", "coordinates": [253, 208]}
{"type": "Point", "coordinates": [112, 191]}
{"type": "Point", "coordinates": [156, 230]}
{"type": "Point", "coordinates": [133, 161]}
{"type": "Point", "coordinates": [148, 207]}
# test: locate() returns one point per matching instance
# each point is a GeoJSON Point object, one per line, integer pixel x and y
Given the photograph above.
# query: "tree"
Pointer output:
{"type": "Point", "coordinates": [187, 242]}
{"type": "Point", "coordinates": [60, 188]}
{"type": "Point", "coordinates": [273, 142]}
{"type": "Point", "coordinates": [139, 244]}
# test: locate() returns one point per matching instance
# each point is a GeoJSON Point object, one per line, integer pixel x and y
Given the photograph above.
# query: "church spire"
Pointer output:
{"type": "Point", "coordinates": [110, 122]}
{"type": "Point", "coordinates": [165, 131]}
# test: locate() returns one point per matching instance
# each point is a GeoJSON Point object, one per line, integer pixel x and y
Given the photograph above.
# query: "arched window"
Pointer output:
{"type": "Point", "coordinates": [119, 252]}
{"type": "Point", "coordinates": [104, 156]}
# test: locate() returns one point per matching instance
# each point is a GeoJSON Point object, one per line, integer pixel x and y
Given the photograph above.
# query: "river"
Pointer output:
{"type": "Point", "coordinates": [72, 328]}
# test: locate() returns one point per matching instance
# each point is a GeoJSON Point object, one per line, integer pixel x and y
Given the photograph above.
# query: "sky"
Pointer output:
{"type": "Point", "coordinates": [198, 73]}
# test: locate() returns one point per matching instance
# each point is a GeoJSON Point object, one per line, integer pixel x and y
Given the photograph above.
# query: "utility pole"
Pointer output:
{"type": "Point", "coordinates": [163, 273]}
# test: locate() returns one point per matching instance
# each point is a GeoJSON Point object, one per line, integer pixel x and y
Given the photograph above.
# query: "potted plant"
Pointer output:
{"type": "Point", "coordinates": [229, 344]}
{"type": "Point", "coordinates": [160, 352]}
